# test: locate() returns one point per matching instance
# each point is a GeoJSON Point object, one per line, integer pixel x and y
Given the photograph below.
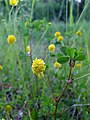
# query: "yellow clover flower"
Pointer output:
{"type": "Point", "coordinates": [28, 49]}
{"type": "Point", "coordinates": [79, 33]}
{"type": "Point", "coordinates": [38, 66]}
{"type": "Point", "coordinates": [57, 65]}
{"type": "Point", "coordinates": [57, 34]}
{"type": "Point", "coordinates": [1, 67]}
{"type": "Point", "coordinates": [26, 23]}
{"type": "Point", "coordinates": [11, 39]}
{"type": "Point", "coordinates": [49, 23]}
{"type": "Point", "coordinates": [13, 2]}
{"type": "Point", "coordinates": [8, 108]}
{"type": "Point", "coordinates": [3, 119]}
{"type": "Point", "coordinates": [60, 38]}
{"type": "Point", "coordinates": [51, 47]}
{"type": "Point", "coordinates": [78, 65]}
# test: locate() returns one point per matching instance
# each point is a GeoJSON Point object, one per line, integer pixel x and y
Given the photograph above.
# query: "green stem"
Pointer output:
{"type": "Point", "coordinates": [10, 14]}
{"type": "Point", "coordinates": [82, 13]}
{"type": "Point", "coordinates": [22, 82]}
{"type": "Point", "coordinates": [36, 87]}
{"type": "Point", "coordinates": [71, 13]}
{"type": "Point", "coordinates": [31, 15]}
{"type": "Point", "coordinates": [66, 15]}
{"type": "Point", "coordinates": [31, 48]}
{"type": "Point", "coordinates": [47, 85]}
{"type": "Point", "coordinates": [88, 74]}
{"type": "Point", "coordinates": [41, 39]}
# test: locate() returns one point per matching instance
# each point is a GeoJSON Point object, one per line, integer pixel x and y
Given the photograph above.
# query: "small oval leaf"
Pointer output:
{"type": "Point", "coordinates": [63, 59]}
{"type": "Point", "coordinates": [71, 52]}
{"type": "Point", "coordinates": [52, 54]}
{"type": "Point", "coordinates": [63, 50]}
{"type": "Point", "coordinates": [80, 57]}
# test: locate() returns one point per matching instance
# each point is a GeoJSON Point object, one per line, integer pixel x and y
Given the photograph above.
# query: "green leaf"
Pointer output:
{"type": "Point", "coordinates": [52, 54]}
{"type": "Point", "coordinates": [57, 43]}
{"type": "Point", "coordinates": [59, 54]}
{"type": "Point", "coordinates": [71, 52]}
{"type": "Point", "coordinates": [2, 104]}
{"type": "Point", "coordinates": [79, 51]}
{"type": "Point", "coordinates": [63, 50]}
{"type": "Point", "coordinates": [36, 23]}
{"type": "Point", "coordinates": [30, 25]}
{"type": "Point", "coordinates": [75, 54]}
{"type": "Point", "coordinates": [22, 55]}
{"type": "Point", "coordinates": [63, 59]}
{"type": "Point", "coordinates": [80, 57]}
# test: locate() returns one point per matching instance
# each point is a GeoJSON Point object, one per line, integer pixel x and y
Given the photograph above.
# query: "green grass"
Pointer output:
{"type": "Point", "coordinates": [35, 97]}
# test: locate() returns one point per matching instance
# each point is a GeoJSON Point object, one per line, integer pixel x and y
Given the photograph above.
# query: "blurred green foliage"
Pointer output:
{"type": "Point", "coordinates": [49, 9]}
{"type": "Point", "coordinates": [17, 65]}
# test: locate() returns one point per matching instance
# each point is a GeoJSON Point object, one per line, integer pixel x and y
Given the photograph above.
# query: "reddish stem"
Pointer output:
{"type": "Point", "coordinates": [69, 81]}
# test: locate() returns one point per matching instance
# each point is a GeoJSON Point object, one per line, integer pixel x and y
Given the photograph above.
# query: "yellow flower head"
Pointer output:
{"type": "Point", "coordinates": [57, 65]}
{"type": "Point", "coordinates": [49, 23]}
{"type": "Point", "coordinates": [8, 108]}
{"type": "Point", "coordinates": [13, 2]}
{"type": "Point", "coordinates": [38, 66]}
{"type": "Point", "coordinates": [57, 34]}
{"type": "Point", "coordinates": [3, 119]}
{"type": "Point", "coordinates": [26, 23]}
{"type": "Point", "coordinates": [60, 38]}
{"type": "Point", "coordinates": [79, 33]}
{"type": "Point", "coordinates": [1, 67]}
{"type": "Point", "coordinates": [28, 49]}
{"type": "Point", "coordinates": [78, 65]}
{"type": "Point", "coordinates": [11, 39]}
{"type": "Point", "coordinates": [51, 47]}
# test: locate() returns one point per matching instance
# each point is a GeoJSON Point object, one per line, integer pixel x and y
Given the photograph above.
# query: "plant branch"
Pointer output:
{"type": "Point", "coordinates": [72, 63]}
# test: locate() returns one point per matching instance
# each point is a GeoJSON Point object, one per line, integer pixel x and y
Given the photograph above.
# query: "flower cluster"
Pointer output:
{"type": "Point", "coordinates": [8, 108]}
{"type": "Point", "coordinates": [51, 47]}
{"type": "Point", "coordinates": [13, 2]}
{"type": "Point", "coordinates": [1, 67]}
{"type": "Point", "coordinates": [28, 49]}
{"type": "Point", "coordinates": [38, 66]}
{"type": "Point", "coordinates": [79, 33]}
{"type": "Point", "coordinates": [78, 65]}
{"type": "Point", "coordinates": [57, 65]}
{"type": "Point", "coordinates": [58, 36]}
{"type": "Point", "coordinates": [11, 39]}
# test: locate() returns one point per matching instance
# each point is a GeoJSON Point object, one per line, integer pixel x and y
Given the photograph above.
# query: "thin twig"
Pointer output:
{"type": "Point", "coordinates": [75, 105]}
{"type": "Point", "coordinates": [47, 85]}
{"type": "Point", "coordinates": [31, 49]}
{"type": "Point", "coordinates": [40, 40]}
{"type": "Point", "coordinates": [31, 15]}
{"type": "Point", "coordinates": [73, 113]}
{"type": "Point", "coordinates": [88, 74]}
{"type": "Point", "coordinates": [82, 12]}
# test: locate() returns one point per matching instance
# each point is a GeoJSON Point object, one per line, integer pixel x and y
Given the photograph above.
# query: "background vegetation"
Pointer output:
{"type": "Point", "coordinates": [28, 96]}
